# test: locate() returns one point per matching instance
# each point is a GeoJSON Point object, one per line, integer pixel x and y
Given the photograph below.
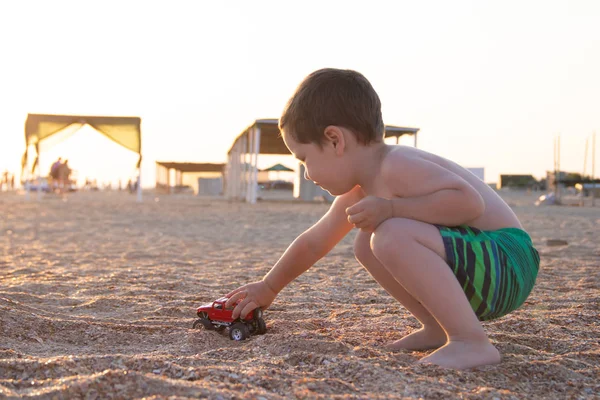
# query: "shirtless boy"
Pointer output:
{"type": "Point", "coordinates": [433, 235]}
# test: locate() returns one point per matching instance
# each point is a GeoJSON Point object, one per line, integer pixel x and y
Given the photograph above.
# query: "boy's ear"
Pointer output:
{"type": "Point", "coordinates": [334, 136]}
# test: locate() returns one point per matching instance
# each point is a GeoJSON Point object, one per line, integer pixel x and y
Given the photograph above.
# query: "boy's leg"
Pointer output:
{"type": "Point", "coordinates": [413, 252]}
{"type": "Point", "coordinates": [431, 335]}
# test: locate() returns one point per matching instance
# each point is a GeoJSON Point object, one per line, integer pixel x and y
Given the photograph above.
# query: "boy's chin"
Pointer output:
{"type": "Point", "coordinates": [333, 192]}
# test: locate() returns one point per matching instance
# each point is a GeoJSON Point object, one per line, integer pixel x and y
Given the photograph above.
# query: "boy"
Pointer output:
{"type": "Point", "coordinates": [433, 235]}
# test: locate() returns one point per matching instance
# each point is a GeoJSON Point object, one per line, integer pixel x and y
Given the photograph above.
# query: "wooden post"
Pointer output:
{"type": "Point", "coordinates": [227, 177]}
{"type": "Point", "coordinates": [236, 170]}
{"type": "Point", "coordinates": [593, 168]}
{"type": "Point", "coordinates": [585, 153]}
{"type": "Point", "coordinates": [555, 171]}
{"type": "Point", "coordinates": [255, 151]}
{"type": "Point", "coordinates": [39, 176]}
{"type": "Point", "coordinates": [244, 166]}
{"type": "Point", "coordinates": [168, 180]}
{"type": "Point", "coordinates": [240, 168]}
{"type": "Point", "coordinates": [249, 163]}
{"type": "Point", "coordinates": [156, 178]}
{"type": "Point", "coordinates": [139, 185]}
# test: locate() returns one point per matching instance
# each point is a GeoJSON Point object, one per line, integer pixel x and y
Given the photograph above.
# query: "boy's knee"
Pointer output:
{"type": "Point", "coordinates": [362, 247]}
{"type": "Point", "coordinates": [390, 234]}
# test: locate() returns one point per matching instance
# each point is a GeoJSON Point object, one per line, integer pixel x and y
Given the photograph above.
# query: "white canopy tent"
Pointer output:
{"type": "Point", "coordinates": [263, 137]}
{"type": "Point", "coordinates": [125, 131]}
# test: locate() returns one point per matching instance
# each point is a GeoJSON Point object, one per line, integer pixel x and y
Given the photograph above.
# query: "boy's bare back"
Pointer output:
{"type": "Point", "coordinates": [405, 162]}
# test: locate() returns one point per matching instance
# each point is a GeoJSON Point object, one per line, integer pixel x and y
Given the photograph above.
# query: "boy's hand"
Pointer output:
{"type": "Point", "coordinates": [369, 212]}
{"type": "Point", "coordinates": [253, 295]}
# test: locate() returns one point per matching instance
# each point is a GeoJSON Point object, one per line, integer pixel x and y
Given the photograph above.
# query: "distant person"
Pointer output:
{"type": "Point", "coordinates": [433, 235]}
{"type": "Point", "coordinates": [132, 186]}
{"type": "Point", "coordinates": [4, 180]}
{"type": "Point", "coordinates": [64, 176]}
{"type": "Point", "coordinates": [55, 168]}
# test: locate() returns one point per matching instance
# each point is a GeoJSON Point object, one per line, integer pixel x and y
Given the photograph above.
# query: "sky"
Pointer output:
{"type": "Point", "coordinates": [489, 84]}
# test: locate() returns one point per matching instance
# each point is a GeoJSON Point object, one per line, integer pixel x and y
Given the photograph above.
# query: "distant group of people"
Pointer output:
{"type": "Point", "coordinates": [60, 174]}
{"type": "Point", "coordinates": [132, 186]}
{"type": "Point", "coordinates": [7, 181]}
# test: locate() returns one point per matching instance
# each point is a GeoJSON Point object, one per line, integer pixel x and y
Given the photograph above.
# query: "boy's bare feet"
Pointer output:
{"type": "Point", "coordinates": [463, 355]}
{"type": "Point", "coordinates": [424, 339]}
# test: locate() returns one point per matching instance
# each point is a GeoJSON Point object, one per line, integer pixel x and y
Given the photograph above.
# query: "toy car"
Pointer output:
{"type": "Point", "coordinates": [215, 316]}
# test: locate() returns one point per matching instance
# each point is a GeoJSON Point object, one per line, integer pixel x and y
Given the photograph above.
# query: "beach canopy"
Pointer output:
{"type": "Point", "coordinates": [278, 168]}
{"type": "Point", "coordinates": [263, 137]}
{"type": "Point", "coordinates": [125, 131]}
{"type": "Point", "coordinates": [191, 167]}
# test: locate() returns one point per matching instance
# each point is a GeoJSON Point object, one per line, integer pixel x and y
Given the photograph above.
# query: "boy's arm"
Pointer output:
{"type": "Point", "coordinates": [430, 193]}
{"type": "Point", "coordinates": [314, 243]}
{"type": "Point", "coordinates": [423, 191]}
{"type": "Point", "coordinates": [305, 251]}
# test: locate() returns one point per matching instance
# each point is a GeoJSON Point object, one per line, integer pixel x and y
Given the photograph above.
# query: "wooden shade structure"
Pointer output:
{"type": "Point", "coordinates": [263, 137]}
{"type": "Point", "coordinates": [164, 168]}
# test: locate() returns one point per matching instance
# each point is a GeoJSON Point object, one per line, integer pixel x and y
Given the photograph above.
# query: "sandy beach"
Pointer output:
{"type": "Point", "coordinates": [98, 295]}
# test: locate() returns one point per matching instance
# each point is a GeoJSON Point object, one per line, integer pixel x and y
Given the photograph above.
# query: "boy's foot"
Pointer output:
{"type": "Point", "coordinates": [463, 355]}
{"type": "Point", "coordinates": [423, 339]}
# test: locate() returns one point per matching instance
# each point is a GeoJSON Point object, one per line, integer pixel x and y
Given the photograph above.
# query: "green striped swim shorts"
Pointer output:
{"type": "Point", "coordinates": [497, 269]}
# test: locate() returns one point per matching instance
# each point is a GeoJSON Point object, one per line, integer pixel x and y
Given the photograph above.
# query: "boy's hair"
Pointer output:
{"type": "Point", "coordinates": [333, 97]}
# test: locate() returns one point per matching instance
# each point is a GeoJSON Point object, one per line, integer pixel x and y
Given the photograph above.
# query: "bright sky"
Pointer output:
{"type": "Point", "coordinates": [490, 84]}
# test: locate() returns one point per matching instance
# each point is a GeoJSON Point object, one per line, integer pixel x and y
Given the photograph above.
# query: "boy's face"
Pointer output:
{"type": "Point", "coordinates": [324, 166]}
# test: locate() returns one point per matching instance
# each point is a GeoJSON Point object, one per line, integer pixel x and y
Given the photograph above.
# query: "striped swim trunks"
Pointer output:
{"type": "Point", "coordinates": [497, 269]}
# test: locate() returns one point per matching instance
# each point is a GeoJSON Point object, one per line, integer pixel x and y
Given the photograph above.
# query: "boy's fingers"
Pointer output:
{"type": "Point", "coordinates": [239, 309]}
{"type": "Point", "coordinates": [359, 224]}
{"type": "Point", "coordinates": [228, 295]}
{"type": "Point", "coordinates": [236, 311]}
{"type": "Point", "coordinates": [249, 307]}
{"type": "Point", "coordinates": [363, 224]}
{"type": "Point", "coordinates": [354, 209]}
{"type": "Point", "coordinates": [352, 218]}
{"type": "Point", "coordinates": [356, 218]}
{"type": "Point", "coordinates": [235, 297]}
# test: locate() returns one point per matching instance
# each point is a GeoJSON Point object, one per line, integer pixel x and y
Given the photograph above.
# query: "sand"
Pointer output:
{"type": "Point", "coordinates": [98, 295]}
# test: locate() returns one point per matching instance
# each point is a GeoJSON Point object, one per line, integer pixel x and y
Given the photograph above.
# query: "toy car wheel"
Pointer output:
{"type": "Point", "coordinates": [205, 322]}
{"type": "Point", "coordinates": [261, 326]}
{"type": "Point", "coordinates": [239, 331]}
{"type": "Point", "coordinates": [257, 313]}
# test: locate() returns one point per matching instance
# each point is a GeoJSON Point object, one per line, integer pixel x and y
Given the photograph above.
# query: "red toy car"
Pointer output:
{"type": "Point", "coordinates": [215, 316]}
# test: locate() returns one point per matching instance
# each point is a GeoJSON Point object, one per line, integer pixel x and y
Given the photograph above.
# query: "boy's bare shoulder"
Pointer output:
{"type": "Point", "coordinates": [408, 171]}
{"type": "Point", "coordinates": [403, 160]}
{"type": "Point", "coordinates": [406, 155]}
